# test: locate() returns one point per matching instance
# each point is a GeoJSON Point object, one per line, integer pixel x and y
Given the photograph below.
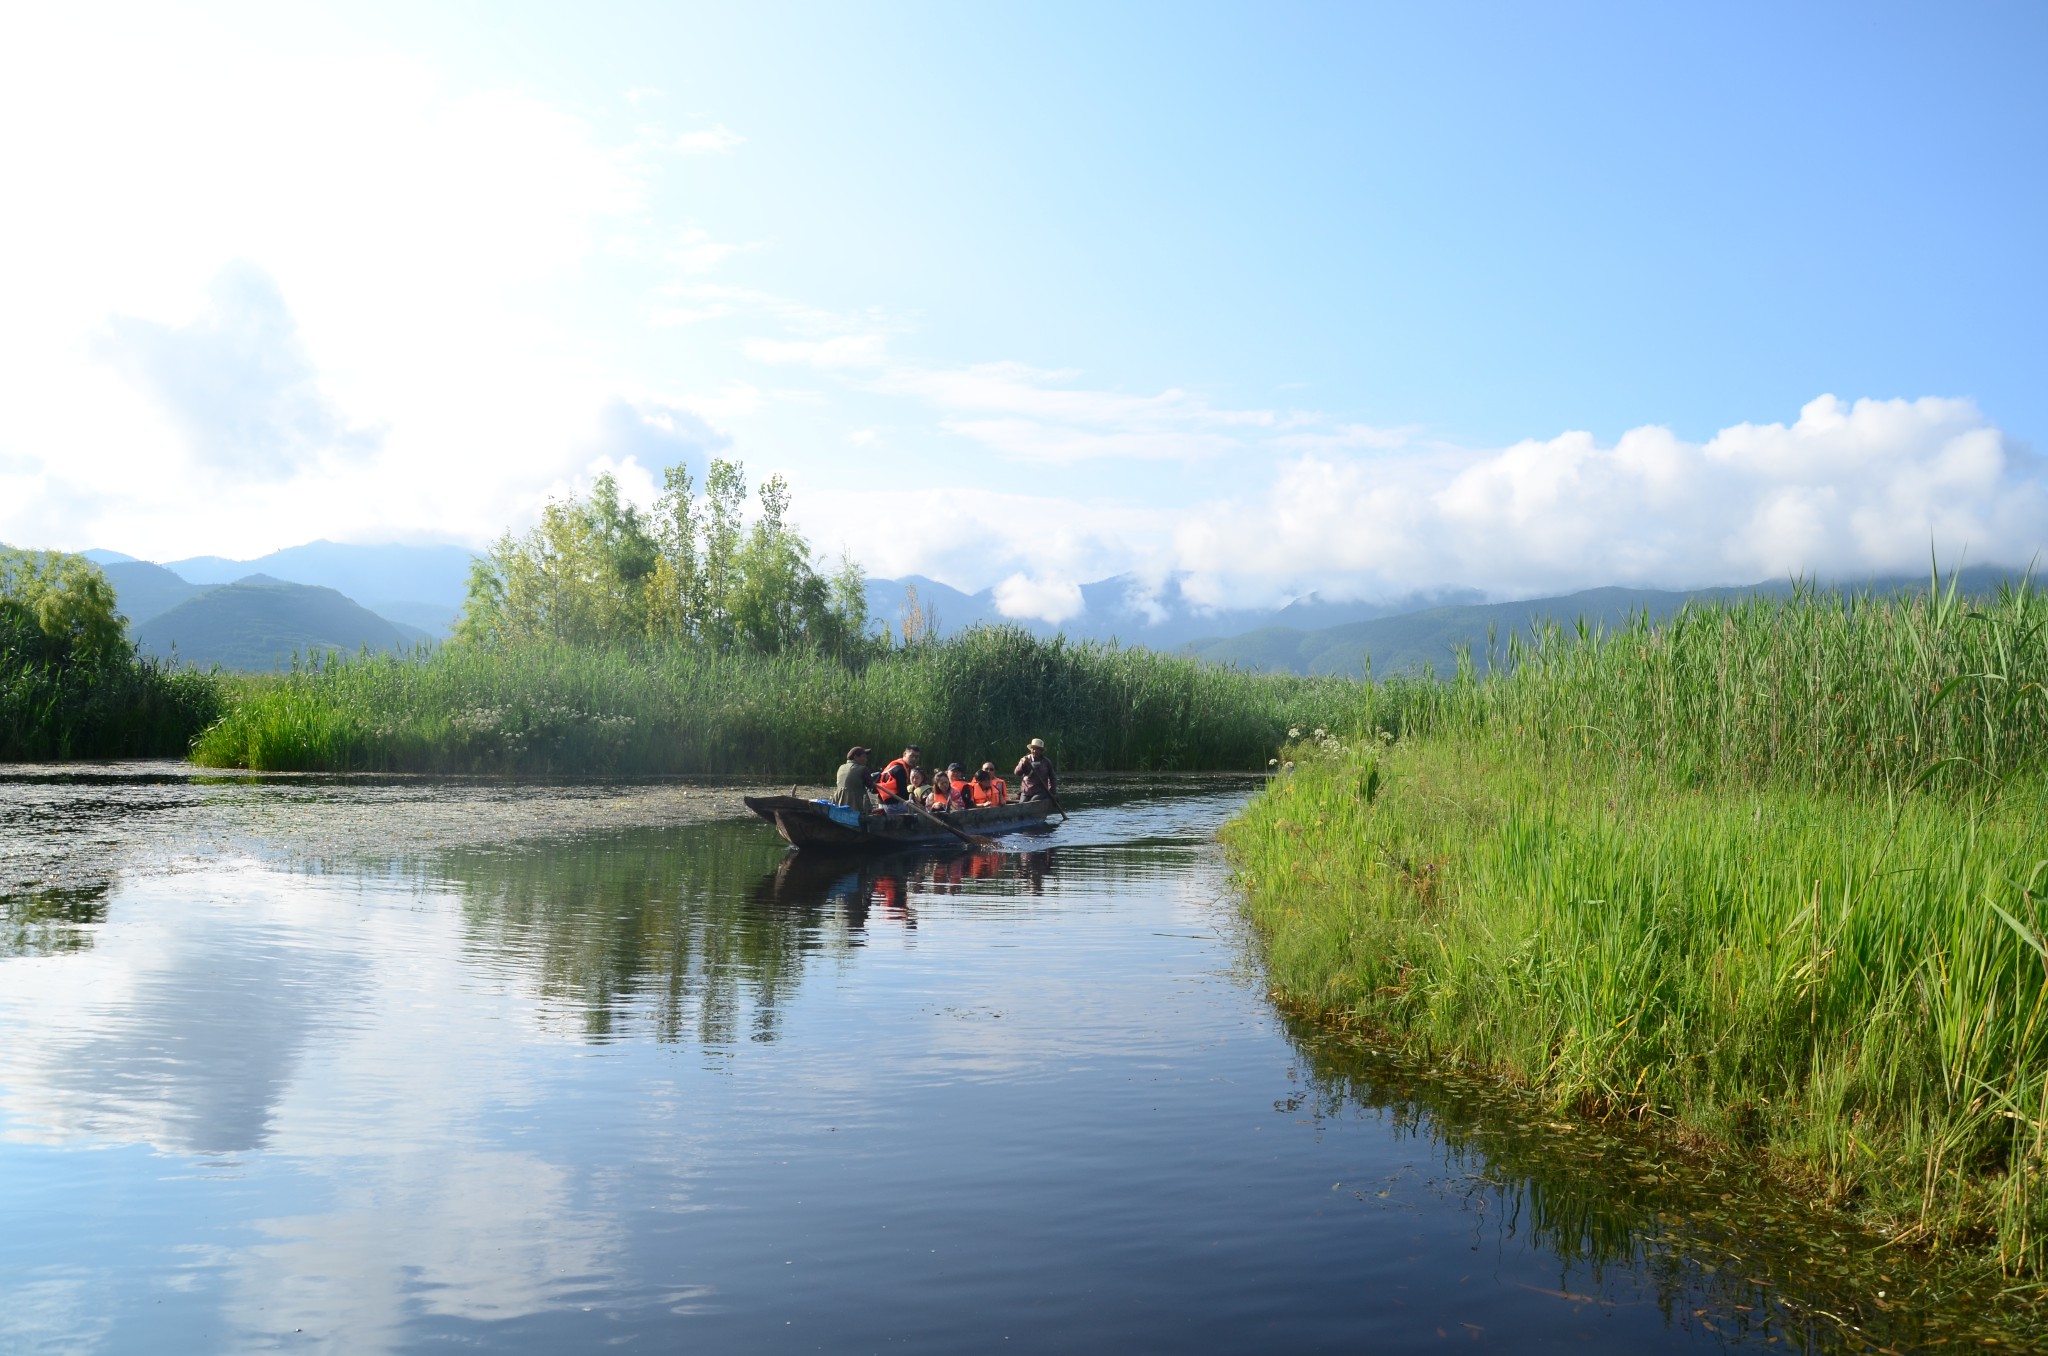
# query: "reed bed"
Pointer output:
{"type": "Point", "coordinates": [551, 710]}
{"type": "Point", "coordinates": [1773, 875]}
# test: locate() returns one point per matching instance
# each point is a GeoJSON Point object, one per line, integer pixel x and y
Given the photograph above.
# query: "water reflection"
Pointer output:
{"type": "Point", "coordinates": [885, 887]}
{"type": "Point", "coordinates": [1709, 1244]}
{"type": "Point", "coordinates": [675, 1087]}
{"type": "Point", "coordinates": [703, 944]}
{"type": "Point", "coordinates": [50, 922]}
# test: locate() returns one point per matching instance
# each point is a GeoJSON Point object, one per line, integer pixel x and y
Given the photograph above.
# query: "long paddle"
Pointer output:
{"type": "Point", "coordinates": [971, 839]}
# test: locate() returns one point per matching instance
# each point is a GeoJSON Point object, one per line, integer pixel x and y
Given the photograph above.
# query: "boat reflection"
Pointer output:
{"type": "Point", "coordinates": [884, 888]}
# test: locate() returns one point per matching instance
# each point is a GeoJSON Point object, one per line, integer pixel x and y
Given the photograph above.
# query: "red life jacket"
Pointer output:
{"type": "Point", "coordinates": [894, 781]}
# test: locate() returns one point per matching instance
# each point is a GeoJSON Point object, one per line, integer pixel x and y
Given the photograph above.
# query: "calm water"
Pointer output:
{"type": "Point", "coordinates": [668, 1089]}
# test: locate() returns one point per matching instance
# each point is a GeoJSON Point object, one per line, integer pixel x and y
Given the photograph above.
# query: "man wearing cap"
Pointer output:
{"type": "Point", "coordinates": [854, 781]}
{"type": "Point", "coordinates": [1035, 778]}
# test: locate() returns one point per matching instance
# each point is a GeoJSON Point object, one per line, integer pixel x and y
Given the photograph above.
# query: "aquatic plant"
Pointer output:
{"type": "Point", "coordinates": [1773, 875]}
{"type": "Point", "coordinates": [691, 708]}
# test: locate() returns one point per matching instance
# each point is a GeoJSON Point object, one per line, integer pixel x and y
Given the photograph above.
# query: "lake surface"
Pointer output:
{"type": "Point", "coordinates": [552, 1085]}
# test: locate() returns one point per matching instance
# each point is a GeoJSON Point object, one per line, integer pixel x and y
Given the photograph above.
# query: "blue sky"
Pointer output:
{"type": "Point", "coordinates": [1353, 298]}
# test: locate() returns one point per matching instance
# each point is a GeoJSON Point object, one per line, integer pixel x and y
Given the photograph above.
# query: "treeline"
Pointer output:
{"type": "Point", "coordinates": [611, 642]}
{"type": "Point", "coordinates": [71, 684]}
{"type": "Point", "coordinates": [1773, 874]}
{"type": "Point", "coordinates": [598, 571]}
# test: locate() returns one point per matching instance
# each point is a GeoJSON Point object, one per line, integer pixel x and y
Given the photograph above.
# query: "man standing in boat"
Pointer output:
{"type": "Point", "coordinates": [1036, 779]}
{"type": "Point", "coordinates": [892, 784]}
{"type": "Point", "coordinates": [852, 788]}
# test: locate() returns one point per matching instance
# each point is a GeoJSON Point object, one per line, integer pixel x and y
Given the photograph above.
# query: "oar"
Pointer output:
{"type": "Point", "coordinates": [1064, 816]}
{"type": "Point", "coordinates": [971, 839]}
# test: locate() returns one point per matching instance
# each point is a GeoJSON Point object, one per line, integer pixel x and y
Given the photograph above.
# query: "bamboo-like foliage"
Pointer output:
{"type": "Point", "coordinates": [1777, 873]}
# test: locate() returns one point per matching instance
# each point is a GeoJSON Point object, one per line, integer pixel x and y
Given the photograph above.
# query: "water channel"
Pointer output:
{"type": "Point", "coordinates": [359, 1066]}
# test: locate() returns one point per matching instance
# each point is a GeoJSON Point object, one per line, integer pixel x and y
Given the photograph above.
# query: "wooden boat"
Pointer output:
{"type": "Point", "coordinates": [814, 824]}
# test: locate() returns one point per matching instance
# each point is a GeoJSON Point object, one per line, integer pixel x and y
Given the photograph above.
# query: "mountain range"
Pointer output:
{"type": "Point", "coordinates": [256, 613]}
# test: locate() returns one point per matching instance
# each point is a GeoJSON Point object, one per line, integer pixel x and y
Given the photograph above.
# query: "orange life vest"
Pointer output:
{"type": "Point", "coordinates": [894, 781]}
{"type": "Point", "coordinates": [995, 793]}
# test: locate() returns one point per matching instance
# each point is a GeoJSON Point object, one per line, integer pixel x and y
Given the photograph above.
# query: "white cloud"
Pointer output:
{"type": "Point", "coordinates": [840, 351]}
{"type": "Point", "coordinates": [1845, 490]}
{"type": "Point", "coordinates": [1030, 441]}
{"type": "Point", "coordinates": [1048, 600]}
{"type": "Point", "coordinates": [718, 139]}
{"type": "Point", "coordinates": [696, 252]}
{"type": "Point", "coordinates": [381, 239]}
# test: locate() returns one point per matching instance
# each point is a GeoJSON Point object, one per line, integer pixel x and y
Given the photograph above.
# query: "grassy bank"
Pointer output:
{"type": "Point", "coordinates": [539, 709]}
{"type": "Point", "coordinates": [1775, 877]}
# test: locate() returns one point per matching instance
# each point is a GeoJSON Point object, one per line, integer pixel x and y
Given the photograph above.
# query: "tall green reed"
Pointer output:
{"type": "Point", "coordinates": [543, 709]}
{"type": "Point", "coordinates": [1772, 872]}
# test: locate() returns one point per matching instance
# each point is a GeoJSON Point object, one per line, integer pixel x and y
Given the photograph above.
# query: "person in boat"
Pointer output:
{"type": "Point", "coordinates": [892, 783]}
{"type": "Point", "coordinates": [1036, 779]}
{"type": "Point", "coordinates": [854, 788]}
{"type": "Point", "coordinates": [987, 788]}
{"type": "Point", "coordinates": [957, 795]}
{"type": "Point", "coordinates": [921, 787]}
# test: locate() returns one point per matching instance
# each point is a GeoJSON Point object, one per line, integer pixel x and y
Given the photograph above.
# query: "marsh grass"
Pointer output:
{"type": "Point", "coordinates": [1771, 875]}
{"type": "Point", "coordinates": [548, 709]}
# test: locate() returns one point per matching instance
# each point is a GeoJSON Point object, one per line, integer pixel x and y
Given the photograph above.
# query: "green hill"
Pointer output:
{"type": "Point", "coordinates": [259, 623]}
{"type": "Point", "coordinates": [145, 591]}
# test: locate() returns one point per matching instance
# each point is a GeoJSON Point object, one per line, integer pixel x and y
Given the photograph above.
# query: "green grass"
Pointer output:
{"type": "Point", "coordinates": [688, 709]}
{"type": "Point", "coordinates": [1773, 876]}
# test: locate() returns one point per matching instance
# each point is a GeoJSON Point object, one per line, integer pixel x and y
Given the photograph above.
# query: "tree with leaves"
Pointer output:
{"type": "Point", "coordinates": [598, 570]}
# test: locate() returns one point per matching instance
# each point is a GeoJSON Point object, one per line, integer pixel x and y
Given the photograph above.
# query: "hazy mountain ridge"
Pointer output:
{"type": "Point", "coordinates": [1123, 609]}
{"type": "Point", "coordinates": [260, 623]}
{"type": "Point", "coordinates": [418, 592]}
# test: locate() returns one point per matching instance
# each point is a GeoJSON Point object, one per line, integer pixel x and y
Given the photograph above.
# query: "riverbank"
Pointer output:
{"type": "Point", "coordinates": [1732, 878]}
{"type": "Point", "coordinates": [689, 709]}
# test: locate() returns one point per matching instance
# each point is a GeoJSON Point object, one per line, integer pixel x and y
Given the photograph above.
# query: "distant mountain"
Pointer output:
{"type": "Point", "coordinates": [423, 586]}
{"type": "Point", "coordinates": [1123, 609]}
{"type": "Point", "coordinates": [258, 623]}
{"type": "Point", "coordinates": [143, 590]}
{"type": "Point", "coordinates": [99, 557]}
{"type": "Point", "coordinates": [435, 619]}
{"type": "Point", "coordinates": [1415, 642]}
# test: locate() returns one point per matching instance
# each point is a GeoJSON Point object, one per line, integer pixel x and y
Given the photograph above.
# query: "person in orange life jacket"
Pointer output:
{"type": "Point", "coordinates": [892, 783]}
{"type": "Point", "coordinates": [1036, 779]}
{"type": "Point", "coordinates": [959, 796]}
{"type": "Point", "coordinates": [987, 788]}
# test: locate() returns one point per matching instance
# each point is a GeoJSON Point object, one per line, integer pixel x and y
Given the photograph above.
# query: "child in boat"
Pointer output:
{"type": "Point", "coordinates": [920, 787]}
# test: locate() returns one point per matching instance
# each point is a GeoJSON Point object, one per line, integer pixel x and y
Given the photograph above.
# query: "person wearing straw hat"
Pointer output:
{"type": "Point", "coordinates": [1036, 779]}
